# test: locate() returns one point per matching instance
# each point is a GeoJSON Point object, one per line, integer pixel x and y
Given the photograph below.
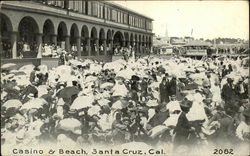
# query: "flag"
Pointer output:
{"type": "Point", "coordinates": [192, 32]}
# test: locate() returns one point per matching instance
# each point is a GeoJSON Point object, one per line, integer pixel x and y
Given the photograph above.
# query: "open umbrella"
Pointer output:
{"type": "Point", "coordinates": [67, 92]}
{"type": "Point", "coordinates": [34, 103]}
{"type": "Point", "coordinates": [127, 74]}
{"type": "Point", "coordinates": [27, 68]}
{"type": "Point", "coordinates": [103, 102]}
{"type": "Point", "coordinates": [82, 102]}
{"type": "Point", "coordinates": [70, 124]}
{"type": "Point", "coordinates": [8, 66]}
{"type": "Point", "coordinates": [94, 110]}
{"type": "Point", "coordinates": [63, 69]}
{"type": "Point", "coordinates": [17, 72]}
{"type": "Point", "coordinates": [154, 132]}
{"type": "Point", "coordinates": [12, 104]}
{"type": "Point", "coordinates": [107, 85]}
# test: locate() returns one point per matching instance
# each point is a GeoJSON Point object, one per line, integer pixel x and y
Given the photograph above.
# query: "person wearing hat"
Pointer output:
{"type": "Point", "coordinates": [228, 94]}
{"type": "Point", "coordinates": [241, 89]}
{"type": "Point", "coordinates": [183, 127]}
{"type": "Point", "coordinates": [243, 130]}
{"type": "Point", "coordinates": [164, 96]}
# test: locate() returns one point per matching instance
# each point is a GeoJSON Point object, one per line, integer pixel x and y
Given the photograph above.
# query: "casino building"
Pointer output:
{"type": "Point", "coordinates": [86, 25]}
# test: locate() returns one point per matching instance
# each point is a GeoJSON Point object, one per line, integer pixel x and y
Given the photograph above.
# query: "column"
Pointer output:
{"type": "Point", "coordinates": [105, 46]}
{"type": "Point", "coordinates": [14, 44]}
{"type": "Point", "coordinates": [78, 45]}
{"type": "Point", "coordinates": [39, 44]}
{"type": "Point", "coordinates": [97, 45]}
{"type": "Point", "coordinates": [128, 42]}
{"type": "Point", "coordinates": [123, 43]}
{"type": "Point", "coordinates": [111, 47]}
{"type": "Point", "coordinates": [67, 44]}
{"type": "Point", "coordinates": [54, 39]}
{"type": "Point", "coordinates": [88, 46]}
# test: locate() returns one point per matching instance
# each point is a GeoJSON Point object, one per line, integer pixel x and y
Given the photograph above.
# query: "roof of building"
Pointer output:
{"type": "Point", "coordinates": [198, 43]}
{"type": "Point", "coordinates": [130, 10]}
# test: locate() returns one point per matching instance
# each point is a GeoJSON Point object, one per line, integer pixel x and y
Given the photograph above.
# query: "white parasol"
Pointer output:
{"type": "Point", "coordinates": [12, 104]}
{"type": "Point", "coordinates": [8, 66]}
{"type": "Point", "coordinates": [82, 102]}
{"type": "Point", "coordinates": [70, 124]}
{"type": "Point", "coordinates": [34, 103]}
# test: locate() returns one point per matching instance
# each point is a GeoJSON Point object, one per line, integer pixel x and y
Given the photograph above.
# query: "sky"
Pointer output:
{"type": "Point", "coordinates": [208, 19]}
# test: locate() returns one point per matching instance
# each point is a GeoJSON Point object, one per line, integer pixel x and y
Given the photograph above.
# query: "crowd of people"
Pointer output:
{"type": "Point", "coordinates": [179, 101]}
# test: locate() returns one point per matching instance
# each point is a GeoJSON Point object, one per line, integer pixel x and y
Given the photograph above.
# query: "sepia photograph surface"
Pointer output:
{"type": "Point", "coordinates": [84, 77]}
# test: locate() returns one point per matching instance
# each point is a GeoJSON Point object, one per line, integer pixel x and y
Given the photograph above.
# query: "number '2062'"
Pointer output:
{"type": "Point", "coordinates": [223, 151]}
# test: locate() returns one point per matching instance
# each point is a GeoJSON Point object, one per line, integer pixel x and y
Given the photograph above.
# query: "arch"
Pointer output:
{"type": "Point", "coordinates": [150, 42]}
{"type": "Point", "coordinates": [126, 36]}
{"type": "Point", "coordinates": [136, 39]}
{"type": "Point", "coordinates": [93, 37]}
{"type": "Point", "coordinates": [5, 42]}
{"type": "Point", "coordinates": [85, 31]}
{"type": "Point", "coordinates": [101, 40]}
{"type": "Point", "coordinates": [74, 33]}
{"type": "Point", "coordinates": [48, 31]}
{"type": "Point", "coordinates": [109, 40]}
{"type": "Point", "coordinates": [118, 39]}
{"type": "Point", "coordinates": [132, 40]}
{"type": "Point", "coordinates": [61, 34]}
{"type": "Point", "coordinates": [143, 43]}
{"type": "Point", "coordinates": [27, 32]}
{"type": "Point", "coordinates": [84, 37]}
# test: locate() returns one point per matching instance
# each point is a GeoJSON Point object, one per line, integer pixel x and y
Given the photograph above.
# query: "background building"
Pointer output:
{"type": "Point", "coordinates": [80, 26]}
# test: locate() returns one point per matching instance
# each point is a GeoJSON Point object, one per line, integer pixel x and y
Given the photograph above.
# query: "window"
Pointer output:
{"type": "Point", "coordinates": [125, 20]}
{"type": "Point", "coordinates": [114, 15]}
{"type": "Point", "coordinates": [52, 2]}
{"type": "Point", "coordinates": [100, 11]}
{"type": "Point", "coordinates": [95, 9]}
{"type": "Point", "coordinates": [80, 6]}
{"type": "Point", "coordinates": [60, 3]}
{"type": "Point", "coordinates": [84, 7]}
{"type": "Point", "coordinates": [122, 16]}
{"type": "Point", "coordinates": [119, 18]}
{"type": "Point", "coordinates": [89, 8]}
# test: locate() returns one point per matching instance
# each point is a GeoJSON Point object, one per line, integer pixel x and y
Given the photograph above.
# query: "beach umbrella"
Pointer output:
{"type": "Point", "coordinates": [156, 131]}
{"type": "Point", "coordinates": [94, 110]}
{"type": "Point", "coordinates": [127, 73]}
{"type": "Point", "coordinates": [17, 73]}
{"type": "Point", "coordinates": [34, 103]}
{"type": "Point", "coordinates": [63, 69]}
{"type": "Point", "coordinates": [107, 85]}
{"type": "Point", "coordinates": [42, 90]}
{"type": "Point", "coordinates": [67, 92]}
{"type": "Point", "coordinates": [82, 102]}
{"type": "Point", "coordinates": [8, 66]}
{"type": "Point", "coordinates": [70, 124]}
{"type": "Point", "coordinates": [173, 106]}
{"type": "Point", "coordinates": [103, 102]}
{"type": "Point", "coordinates": [151, 103]}
{"type": "Point", "coordinates": [12, 104]}
{"type": "Point", "coordinates": [22, 80]}
{"type": "Point", "coordinates": [27, 68]}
